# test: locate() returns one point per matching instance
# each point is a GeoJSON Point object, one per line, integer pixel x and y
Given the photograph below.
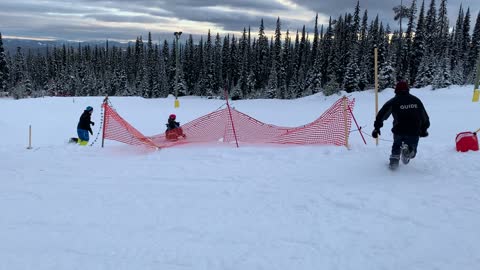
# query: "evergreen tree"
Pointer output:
{"type": "Point", "coordinates": [234, 69]}
{"type": "Point", "coordinates": [262, 69]}
{"type": "Point", "coordinates": [314, 78]}
{"type": "Point", "coordinates": [425, 72]}
{"type": "Point", "coordinates": [431, 30]}
{"type": "Point", "coordinates": [332, 87]}
{"type": "Point", "coordinates": [287, 62]}
{"type": "Point", "coordinates": [418, 50]}
{"type": "Point", "coordinates": [363, 53]}
{"type": "Point", "coordinates": [278, 64]}
{"type": "Point", "coordinates": [457, 44]}
{"type": "Point", "coordinates": [442, 77]}
{"type": "Point", "coordinates": [316, 40]}
{"type": "Point", "coordinates": [240, 90]}
{"type": "Point", "coordinates": [163, 77]}
{"type": "Point", "coordinates": [199, 70]}
{"type": "Point", "coordinates": [251, 83]}
{"type": "Point", "coordinates": [208, 85]}
{"type": "Point", "coordinates": [466, 32]}
{"type": "Point", "coordinates": [271, 91]}
{"type": "Point", "coordinates": [181, 87]}
{"type": "Point", "coordinates": [327, 51]}
{"type": "Point", "coordinates": [20, 81]}
{"type": "Point", "coordinates": [473, 52]}
{"type": "Point", "coordinates": [139, 68]}
{"type": "Point", "coordinates": [407, 62]}
{"type": "Point", "coordinates": [217, 66]}
{"type": "Point", "coordinates": [386, 77]}
{"type": "Point", "coordinates": [458, 73]}
{"type": "Point", "coordinates": [4, 69]}
{"type": "Point", "coordinates": [352, 76]}
{"type": "Point", "coordinates": [150, 79]}
{"type": "Point", "coordinates": [188, 67]}
{"type": "Point", "coordinates": [373, 38]}
{"type": "Point", "coordinates": [443, 30]}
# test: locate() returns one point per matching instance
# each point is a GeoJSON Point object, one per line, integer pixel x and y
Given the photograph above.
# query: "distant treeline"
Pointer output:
{"type": "Point", "coordinates": [335, 57]}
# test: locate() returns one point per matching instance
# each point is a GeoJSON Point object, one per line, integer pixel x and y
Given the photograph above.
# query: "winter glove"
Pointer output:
{"type": "Point", "coordinates": [93, 123]}
{"type": "Point", "coordinates": [375, 133]}
{"type": "Point", "coordinates": [91, 133]}
{"type": "Point", "coordinates": [423, 133]}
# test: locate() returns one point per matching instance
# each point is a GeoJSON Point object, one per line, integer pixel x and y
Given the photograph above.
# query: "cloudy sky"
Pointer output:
{"type": "Point", "coordinates": [125, 19]}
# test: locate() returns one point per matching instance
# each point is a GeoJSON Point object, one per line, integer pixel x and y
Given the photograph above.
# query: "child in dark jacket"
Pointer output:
{"type": "Point", "coordinates": [410, 122]}
{"type": "Point", "coordinates": [172, 124]}
{"type": "Point", "coordinates": [83, 127]}
{"type": "Point", "coordinates": [174, 131]}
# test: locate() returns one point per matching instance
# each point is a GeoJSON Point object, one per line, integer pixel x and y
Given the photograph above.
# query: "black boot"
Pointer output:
{"type": "Point", "coordinates": [394, 161]}
{"type": "Point", "coordinates": [405, 154]}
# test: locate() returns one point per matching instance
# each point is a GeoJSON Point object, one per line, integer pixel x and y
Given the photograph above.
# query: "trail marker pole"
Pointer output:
{"type": "Point", "coordinates": [29, 137]}
{"type": "Point", "coordinates": [376, 86]}
{"type": "Point", "coordinates": [177, 66]}
{"type": "Point", "coordinates": [476, 91]}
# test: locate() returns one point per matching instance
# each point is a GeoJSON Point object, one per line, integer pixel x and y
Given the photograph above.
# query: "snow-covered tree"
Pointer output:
{"type": "Point", "coordinates": [352, 76]}
{"type": "Point", "coordinates": [4, 69]}
{"type": "Point", "coordinates": [386, 76]}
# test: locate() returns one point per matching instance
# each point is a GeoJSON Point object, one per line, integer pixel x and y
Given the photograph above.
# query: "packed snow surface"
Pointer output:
{"type": "Point", "coordinates": [64, 206]}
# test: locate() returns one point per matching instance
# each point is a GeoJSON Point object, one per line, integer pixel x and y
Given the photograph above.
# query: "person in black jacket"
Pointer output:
{"type": "Point", "coordinates": [171, 123]}
{"type": "Point", "coordinates": [410, 122]}
{"type": "Point", "coordinates": [174, 131]}
{"type": "Point", "coordinates": [83, 127]}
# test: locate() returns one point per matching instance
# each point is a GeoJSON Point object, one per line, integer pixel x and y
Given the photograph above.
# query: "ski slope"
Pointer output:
{"type": "Point", "coordinates": [63, 206]}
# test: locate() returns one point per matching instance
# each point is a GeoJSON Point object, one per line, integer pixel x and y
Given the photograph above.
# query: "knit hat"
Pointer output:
{"type": "Point", "coordinates": [401, 87]}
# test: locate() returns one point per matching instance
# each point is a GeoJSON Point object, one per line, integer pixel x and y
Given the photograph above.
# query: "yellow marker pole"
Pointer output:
{"type": "Point", "coordinates": [476, 91]}
{"type": "Point", "coordinates": [376, 86]}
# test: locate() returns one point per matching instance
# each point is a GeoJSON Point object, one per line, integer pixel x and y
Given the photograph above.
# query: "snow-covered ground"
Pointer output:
{"type": "Point", "coordinates": [63, 206]}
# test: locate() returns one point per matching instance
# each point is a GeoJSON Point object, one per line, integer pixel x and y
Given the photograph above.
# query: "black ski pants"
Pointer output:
{"type": "Point", "coordinates": [411, 141]}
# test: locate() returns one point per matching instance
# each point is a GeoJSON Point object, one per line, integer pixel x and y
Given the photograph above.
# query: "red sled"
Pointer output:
{"type": "Point", "coordinates": [174, 134]}
{"type": "Point", "coordinates": [467, 141]}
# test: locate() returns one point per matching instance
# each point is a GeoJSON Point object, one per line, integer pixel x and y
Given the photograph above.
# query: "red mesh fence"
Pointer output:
{"type": "Point", "coordinates": [231, 126]}
{"type": "Point", "coordinates": [117, 129]}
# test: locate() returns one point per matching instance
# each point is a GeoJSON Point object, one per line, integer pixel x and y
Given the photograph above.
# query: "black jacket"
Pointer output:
{"type": "Point", "coordinates": [409, 115]}
{"type": "Point", "coordinates": [84, 122]}
{"type": "Point", "coordinates": [172, 124]}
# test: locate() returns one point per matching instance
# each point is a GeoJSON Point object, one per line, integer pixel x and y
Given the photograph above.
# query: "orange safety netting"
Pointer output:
{"type": "Point", "coordinates": [231, 126]}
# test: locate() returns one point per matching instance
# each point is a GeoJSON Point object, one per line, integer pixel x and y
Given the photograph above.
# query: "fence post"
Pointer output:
{"type": "Point", "coordinates": [104, 119]}
{"type": "Point", "coordinates": [376, 86]}
{"type": "Point", "coordinates": [345, 122]}
{"type": "Point", "coordinates": [231, 118]}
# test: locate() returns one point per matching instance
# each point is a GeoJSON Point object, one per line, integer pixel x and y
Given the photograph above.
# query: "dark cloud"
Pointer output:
{"type": "Point", "coordinates": [130, 19]}
{"type": "Point", "coordinates": [172, 5]}
{"type": "Point", "coordinates": [35, 7]}
{"type": "Point", "coordinates": [126, 19]}
{"type": "Point", "coordinates": [383, 8]}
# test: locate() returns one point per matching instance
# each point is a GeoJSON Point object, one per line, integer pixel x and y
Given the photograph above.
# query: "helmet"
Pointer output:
{"type": "Point", "coordinates": [172, 116]}
{"type": "Point", "coordinates": [89, 109]}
